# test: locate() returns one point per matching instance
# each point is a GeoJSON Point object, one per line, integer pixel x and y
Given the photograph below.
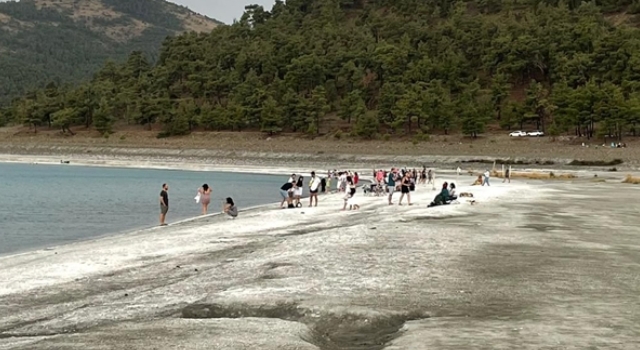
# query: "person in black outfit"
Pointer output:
{"type": "Point", "coordinates": [164, 204]}
{"type": "Point", "coordinates": [298, 190]}
{"type": "Point", "coordinates": [405, 189]}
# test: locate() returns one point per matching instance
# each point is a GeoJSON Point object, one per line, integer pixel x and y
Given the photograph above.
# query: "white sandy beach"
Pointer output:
{"type": "Point", "coordinates": [518, 270]}
{"type": "Point", "coordinates": [62, 264]}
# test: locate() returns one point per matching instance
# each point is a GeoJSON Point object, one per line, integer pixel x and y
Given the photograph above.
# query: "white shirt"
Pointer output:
{"type": "Point", "coordinates": [314, 183]}
{"type": "Point", "coordinates": [487, 174]}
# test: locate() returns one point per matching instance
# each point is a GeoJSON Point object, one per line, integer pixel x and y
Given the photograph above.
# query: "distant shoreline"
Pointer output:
{"type": "Point", "coordinates": [257, 149]}
{"type": "Point", "coordinates": [285, 164]}
{"type": "Point", "coordinates": [277, 163]}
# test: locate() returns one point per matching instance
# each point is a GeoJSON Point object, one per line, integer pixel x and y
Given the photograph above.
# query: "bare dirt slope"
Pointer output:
{"type": "Point", "coordinates": [19, 140]}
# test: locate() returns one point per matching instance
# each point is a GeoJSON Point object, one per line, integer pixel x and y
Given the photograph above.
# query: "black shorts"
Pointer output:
{"type": "Point", "coordinates": [352, 192]}
{"type": "Point", "coordinates": [313, 192]}
{"type": "Point", "coordinates": [405, 189]}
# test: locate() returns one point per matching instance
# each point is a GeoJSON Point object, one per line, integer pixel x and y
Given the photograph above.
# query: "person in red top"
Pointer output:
{"type": "Point", "coordinates": [380, 177]}
{"type": "Point", "coordinates": [356, 178]}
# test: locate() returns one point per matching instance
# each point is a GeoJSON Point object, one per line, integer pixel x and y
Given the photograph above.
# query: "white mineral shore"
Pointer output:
{"type": "Point", "coordinates": [521, 269]}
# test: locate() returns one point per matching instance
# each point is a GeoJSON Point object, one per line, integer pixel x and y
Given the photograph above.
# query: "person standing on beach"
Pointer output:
{"type": "Point", "coordinates": [487, 175]}
{"type": "Point", "coordinates": [323, 185]}
{"type": "Point", "coordinates": [350, 192]}
{"type": "Point", "coordinates": [342, 182]}
{"type": "Point", "coordinates": [164, 204]}
{"type": "Point", "coordinates": [297, 192]}
{"type": "Point", "coordinates": [391, 184]}
{"type": "Point", "coordinates": [205, 198]}
{"type": "Point", "coordinates": [507, 175]}
{"type": "Point", "coordinates": [313, 189]}
{"type": "Point", "coordinates": [380, 177]}
{"type": "Point", "coordinates": [404, 189]}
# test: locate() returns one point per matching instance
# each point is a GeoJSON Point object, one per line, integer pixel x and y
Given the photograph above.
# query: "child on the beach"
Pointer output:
{"type": "Point", "coordinates": [348, 198]}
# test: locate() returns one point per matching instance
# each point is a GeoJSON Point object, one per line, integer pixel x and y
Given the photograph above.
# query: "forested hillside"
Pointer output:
{"type": "Point", "coordinates": [64, 41]}
{"type": "Point", "coordinates": [382, 66]}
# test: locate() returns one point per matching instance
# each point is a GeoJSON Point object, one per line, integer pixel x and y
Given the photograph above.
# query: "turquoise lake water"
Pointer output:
{"type": "Point", "coordinates": [48, 205]}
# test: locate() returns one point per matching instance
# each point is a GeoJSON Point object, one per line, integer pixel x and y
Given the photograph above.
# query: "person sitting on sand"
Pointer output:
{"type": "Point", "coordinates": [442, 197]}
{"type": "Point", "coordinates": [478, 181]}
{"type": "Point", "coordinates": [452, 192]}
{"type": "Point", "coordinates": [230, 208]}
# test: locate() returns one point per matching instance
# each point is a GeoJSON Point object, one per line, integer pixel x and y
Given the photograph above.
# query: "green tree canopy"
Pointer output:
{"type": "Point", "coordinates": [317, 66]}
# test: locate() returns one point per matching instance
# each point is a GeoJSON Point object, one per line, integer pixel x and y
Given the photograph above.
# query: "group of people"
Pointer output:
{"type": "Point", "coordinates": [400, 180]}
{"type": "Point", "coordinates": [203, 197]}
{"type": "Point", "coordinates": [422, 177]}
{"type": "Point", "coordinates": [291, 192]}
{"type": "Point", "coordinates": [342, 179]}
{"type": "Point", "coordinates": [483, 179]}
{"type": "Point", "coordinates": [446, 196]}
{"type": "Point", "coordinates": [346, 182]}
{"type": "Point", "coordinates": [396, 180]}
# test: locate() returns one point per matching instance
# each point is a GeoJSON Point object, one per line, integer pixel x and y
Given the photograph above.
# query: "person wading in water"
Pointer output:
{"type": "Point", "coordinates": [205, 198]}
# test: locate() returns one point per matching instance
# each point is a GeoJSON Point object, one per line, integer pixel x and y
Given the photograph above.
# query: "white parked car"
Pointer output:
{"type": "Point", "coordinates": [518, 134]}
{"type": "Point", "coordinates": [536, 133]}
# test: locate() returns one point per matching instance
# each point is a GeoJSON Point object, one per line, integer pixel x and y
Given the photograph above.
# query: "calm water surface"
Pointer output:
{"type": "Point", "coordinates": [46, 205]}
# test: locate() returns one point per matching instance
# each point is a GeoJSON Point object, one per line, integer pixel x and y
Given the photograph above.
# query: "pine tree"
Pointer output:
{"type": "Point", "coordinates": [271, 116]}
{"type": "Point", "coordinates": [103, 118]}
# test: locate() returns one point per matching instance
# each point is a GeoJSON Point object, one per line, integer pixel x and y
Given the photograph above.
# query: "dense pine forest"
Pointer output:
{"type": "Point", "coordinates": [384, 67]}
{"type": "Point", "coordinates": [67, 41]}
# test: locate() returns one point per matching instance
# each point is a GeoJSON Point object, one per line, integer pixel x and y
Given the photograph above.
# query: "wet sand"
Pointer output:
{"type": "Point", "coordinates": [537, 265]}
